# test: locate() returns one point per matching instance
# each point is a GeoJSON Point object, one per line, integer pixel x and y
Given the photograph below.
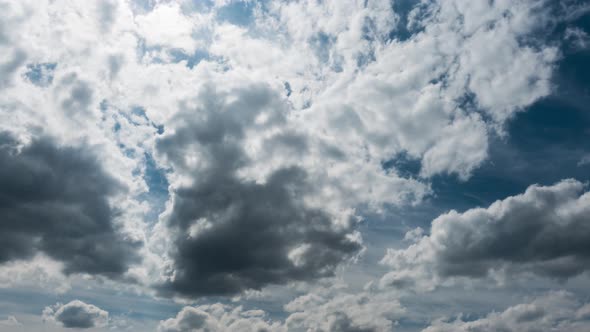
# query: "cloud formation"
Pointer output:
{"type": "Point", "coordinates": [55, 200]}
{"type": "Point", "coordinates": [557, 311]}
{"type": "Point", "coordinates": [218, 318]}
{"type": "Point", "coordinates": [331, 309]}
{"type": "Point", "coordinates": [232, 234]}
{"type": "Point", "coordinates": [76, 314]}
{"type": "Point", "coordinates": [195, 149]}
{"type": "Point", "coordinates": [543, 231]}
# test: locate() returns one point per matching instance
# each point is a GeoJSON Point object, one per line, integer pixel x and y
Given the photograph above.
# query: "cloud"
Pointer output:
{"type": "Point", "coordinates": [336, 309]}
{"type": "Point", "coordinates": [542, 231]}
{"type": "Point", "coordinates": [556, 311]}
{"type": "Point", "coordinates": [55, 200]}
{"type": "Point", "coordinates": [265, 133]}
{"type": "Point", "coordinates": [166, 25]}
{"type": "Point", "coordinates": [232, 234]}
{"type": "Point", "coordinates": [218, 318]}
{"type": "Point", "coordinates": [331, 309]}
{"type": "Point", "coordinates": [584, 161]}
{"type": "Point", "coordinates": [10, 321]}
{"type": "Point", "coordinates": [76, 314]}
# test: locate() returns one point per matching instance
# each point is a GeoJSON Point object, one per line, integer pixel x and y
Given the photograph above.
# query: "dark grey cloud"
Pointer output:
{"type": "Point", "coordinates": [76, 314]}
{"type": "Point", "coordinates": [233, 234]}
{"type": "Point", "coordinates": [55, 200]}
{"type": "Point", "coordinates": [545, 231]}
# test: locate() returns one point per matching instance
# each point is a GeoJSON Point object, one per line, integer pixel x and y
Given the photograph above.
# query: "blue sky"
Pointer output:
{"type": "Point", "coordinates": [234, 165]}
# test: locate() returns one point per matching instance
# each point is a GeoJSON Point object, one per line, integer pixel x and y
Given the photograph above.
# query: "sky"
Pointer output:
{"type": "Point", "coordinates": [297, 165]}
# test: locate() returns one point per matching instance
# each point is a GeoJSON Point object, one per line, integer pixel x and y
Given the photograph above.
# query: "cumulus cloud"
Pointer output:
{"type": "Point", "coordinates": [218, 318]}
{"type": "Point", "coordinates": [332, 309]}
{"type": "Point", "coordinates": [542, 231]}
{"type": "Point", "coordinates": [55, 200]}
{"type": "Point", "coordinates": [230, 233]}
{"type": "Point", "coordinates": [272, 129]}
{"type": "Point", "coordinates": [557, 311]}
{"type": "Point", "coordinates": [338, 309]}
{"type": "Point", "coordinates": [76, 314]}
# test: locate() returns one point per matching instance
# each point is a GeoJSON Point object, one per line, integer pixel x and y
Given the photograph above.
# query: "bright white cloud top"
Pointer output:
{"type": "Point", "coordinates": [236, 155]}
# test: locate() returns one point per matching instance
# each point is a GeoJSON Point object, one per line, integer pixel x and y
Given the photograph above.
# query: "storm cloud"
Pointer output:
{"type": "Point", "coordinates": [55, 200]}
{"type": "Point", "coordinates": [233, 234]}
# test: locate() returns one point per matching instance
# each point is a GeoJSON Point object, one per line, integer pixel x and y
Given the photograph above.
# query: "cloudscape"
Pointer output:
{"type": "Point", "coordinates": [295, 165]}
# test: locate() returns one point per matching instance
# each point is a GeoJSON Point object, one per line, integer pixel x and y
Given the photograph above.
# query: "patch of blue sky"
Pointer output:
{"type": "Point", "coordinates": [143, 6]}
{"type": "Point", "coordinates": [155, 178]}
{"type": "Point", "coordinates": [138, 116]}
{"type": "Point", "coordinates": [237, 12]}
{"type": "Point", "coordinates": [405, 165]}
{"type": "Point", "coordinates": [197, 6]}
{"type": "Point", "coordinates": [40, 74]}
{"type": "Point", "coordinates": [191, 60]}
{"type": "Point", "coordinates": [403, 31]}
{"type": "Point", "coordinates": [288, 90]}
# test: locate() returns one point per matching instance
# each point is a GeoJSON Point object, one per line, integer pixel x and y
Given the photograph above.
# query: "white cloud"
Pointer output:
{"type": "Point", "coordinates": [167, 26]}
{"type": "Point", "coordinates": [217, 318]}
{"type": "Point", "coordinates": [76, 314]}
{"type": "Point", "coordinates": [359, 94]}
{"type": "Point", "coordinates": [10, 321]}
{"type": "Point", "coordinates": [556, 311]}
{"type": "Point", "coordinates": [541, 232]}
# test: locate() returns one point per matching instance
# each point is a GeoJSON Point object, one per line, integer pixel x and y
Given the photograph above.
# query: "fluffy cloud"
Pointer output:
{"type": "Point", "coordinates": [329, 309]}
{"type": "Point", "coordinates": [231, 233]}
{"type": "Point", "coordinates": [337, 309]}
{"type": "Point", "coordinates": [275, 125]}
{"type": "Point", "coordinates": [557, 311]}
{"type": "Point", "coordinates": [218, 318]}
{"type": "Point", "coordinates": [56, 200]}
{"type": "Point", "coordinates": [76, 314]}
{"type": "Point", "coordinates": [542, 231]}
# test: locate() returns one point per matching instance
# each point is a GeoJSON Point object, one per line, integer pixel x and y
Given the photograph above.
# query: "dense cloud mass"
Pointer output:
{"type": "Point", "coordinates": [327, 310]}
{"type": "Point", "coordinates": [76, 314]}
{"type": "Point", "coordinates": [55, 200]}
{"type": "Point", "coordinates": [336, 309]}
{"type": "Point", "coordinates": [557, 311]}
{"type": "Point", "coordinates": [208, 157]}
{"type": "Point", "coordinates": [233, 234]}
{"type": "Point", "coordinates": [218, 318]}
{"type": "Point", "coordinates": [544, 231]}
